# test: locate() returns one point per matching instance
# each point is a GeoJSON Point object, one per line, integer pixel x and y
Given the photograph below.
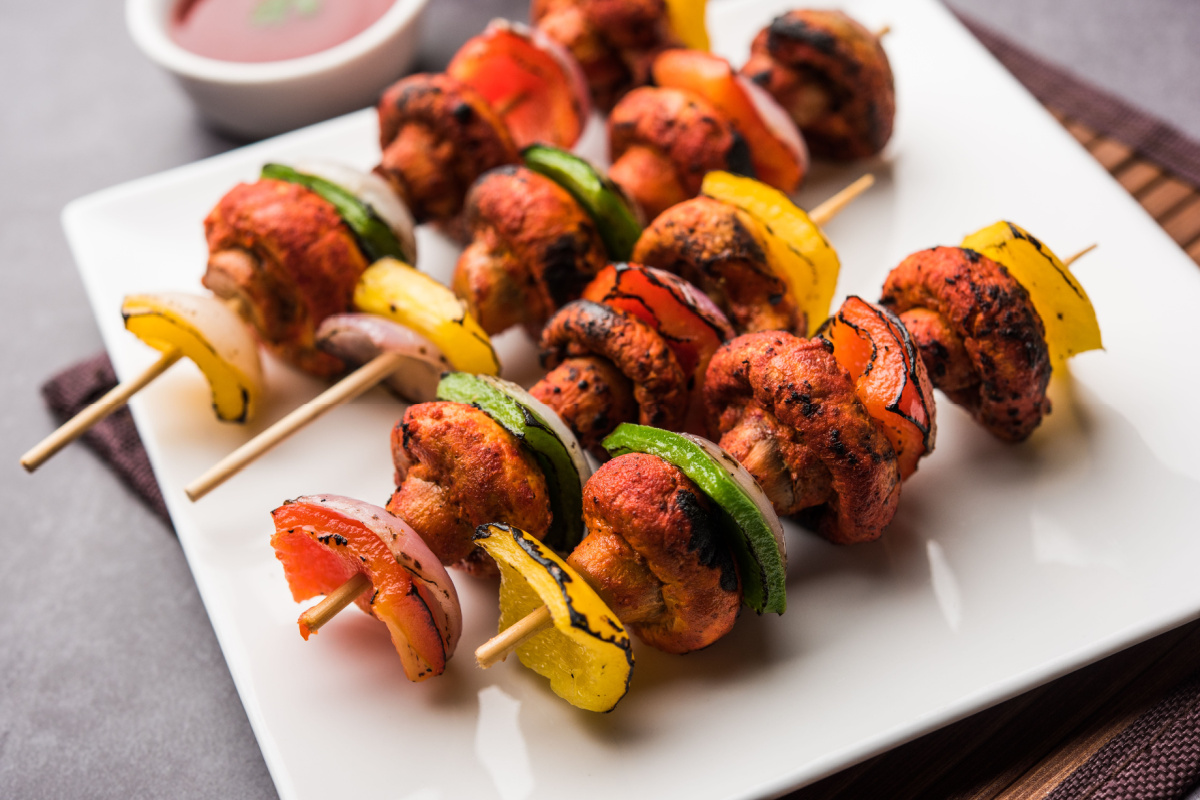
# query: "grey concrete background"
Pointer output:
{"type": "Point", "coordinates": [113, 684]}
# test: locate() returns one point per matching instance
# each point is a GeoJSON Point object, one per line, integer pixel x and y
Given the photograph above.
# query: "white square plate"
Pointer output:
{"type": "Point", "coordinates": [1006, 566]}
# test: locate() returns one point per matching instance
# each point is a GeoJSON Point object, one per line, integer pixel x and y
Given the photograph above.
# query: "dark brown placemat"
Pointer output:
{"type": "Point", "coordinates": [115, 438]}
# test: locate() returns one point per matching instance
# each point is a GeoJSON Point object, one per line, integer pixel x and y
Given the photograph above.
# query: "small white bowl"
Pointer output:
{"type": "Point", "coordinates": [262, 99]}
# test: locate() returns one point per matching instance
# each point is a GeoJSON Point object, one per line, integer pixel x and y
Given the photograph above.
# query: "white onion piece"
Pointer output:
{"type": "Point", "coordinates": [570, 66]}
{"type": "Point", "coordinates": [777, 120]}
{"type": "Point", "coordinates": [358, 338]}
{"type": "Point", "coordinates": [226, 334]}
{"type": "Point", "coordinates": [410, 551]}
{"type": "Point", "coordinates": [551, 418]}
{"type": "Point", "coordinates": [746, 482]}
{"type": "Point", "coordinates": [372, 190]}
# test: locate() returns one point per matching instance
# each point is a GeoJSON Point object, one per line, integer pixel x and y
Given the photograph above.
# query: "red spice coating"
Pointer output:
{"type": "Point", "coordinates": [533, 249]}
{"type": "Point", "coordinates": [832, 76]}
{"type": "Point", "coordinates": [287, 258]}
{"type": "Point", "coordinates": [663, 141]}
{"type": "Point", "coordinates": [799, 384]}
{"type": "Point", "coordinates": [592, 397]}
{"type": "Point", "coordinates": [979, 335]}
{"type": "Point", "coordinates": [655, 555]}
{"type": "Point", "coordinates": [438, 135]}
{"type": "Point", "coordinates": [711, 244]}
{"type": "Point", "coordinates": [457, 469]}
{"type": "Point", "coordinates": [638, 351]}
{"type": "Point", "coordinates": [614, 41]}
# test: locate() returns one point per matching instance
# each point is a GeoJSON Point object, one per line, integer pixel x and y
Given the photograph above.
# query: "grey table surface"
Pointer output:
{"type": "Point", "coordinates": [113, 683]}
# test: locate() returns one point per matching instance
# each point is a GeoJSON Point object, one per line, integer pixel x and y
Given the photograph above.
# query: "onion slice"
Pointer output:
{"type": "Point", "coordinates": [319, 537]}
{"type": "Point", "coordinates": [551, 419]}
{"type": "Point", "coordinates": [358, 338]}
{"type": "Point", "coordinates": [745, 481]}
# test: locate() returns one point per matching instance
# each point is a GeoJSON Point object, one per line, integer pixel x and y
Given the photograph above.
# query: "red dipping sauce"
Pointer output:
{"type": "Point", "coordinates": [269, 30]}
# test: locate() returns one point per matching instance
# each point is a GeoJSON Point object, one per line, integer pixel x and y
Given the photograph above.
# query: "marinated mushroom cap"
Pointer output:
{"type": "Point", "coordinates": [713, 245]}
{"type": "Point", "coordinates": [655, 554]}
{"type": "Point", "coordinates": [833, 77]}
{"type": "Point", "coordinates": [533, 249]}
{"type": "Point", "coordinates": [457, 469]}
{"type": "Point", "coordinates": [979, 335]}
{"type": "Point", "coordinates": [638, 351]}
{"type": "Point", "coordinates": [777, 399]}
{"type": "Point", "coordinates": [663, 141]}
{"type": "Point", "coordinates": [287, 260]}
{"type": "Point", "coordinates": [614, 41]}
{"type": "Point", "coordinates": [438, 135]}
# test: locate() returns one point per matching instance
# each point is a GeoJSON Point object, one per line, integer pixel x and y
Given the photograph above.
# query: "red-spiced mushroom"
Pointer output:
{"type": "Point", "coordinates": [286, 258]}
{"type": "Point", "coordinates": [655, 554]}
{"type": "Point", "coordinates": [457, 469]}
{"type": "Point", "coordinates": [762, 385]}
{"type": "Point", "coordinates": [614, 41]}
{"type": "Point", "coordinates": [713, 245]}
{"type": "Point", "coordinates": [979, 335]}
{"type": "Point", "coordinates": [648, 370]}
{"type": "Point", "coordinates": [438, 135]}
{"type": "Point", "coordinates": [662, 143]}
{"type": "Point", "coordinates": [533, 250]}
{"type": "Point", "coordinates": [832, 75]}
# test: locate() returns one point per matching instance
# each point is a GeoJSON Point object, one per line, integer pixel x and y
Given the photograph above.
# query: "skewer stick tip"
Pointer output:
{"type": "Point", "coordinates": [82, 422]}
{"type": "Point", "coordinates": [1072, 259]}
{"type": "Point", "coordinates": [834, 205]}
{"type": "Point", "coordinates": [497, 648]}
{"type": "Point", "coordinates": [312, 619]}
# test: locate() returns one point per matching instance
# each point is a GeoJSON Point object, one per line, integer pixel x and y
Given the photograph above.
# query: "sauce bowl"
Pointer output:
{"type": "Point", "coordinates": [253, 100]}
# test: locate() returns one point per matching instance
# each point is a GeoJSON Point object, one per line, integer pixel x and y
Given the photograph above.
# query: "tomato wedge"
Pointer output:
{"type": "Point", "coordinates": [689, 321]}
{"type": "Point", "coordinates": [532, 82]}
{"type": "Point", "coordinates": [889, 376]}
{"type": "Point", "coordinates": [777, 149]}
{"type": "Point", "coordinates": [324, 540]}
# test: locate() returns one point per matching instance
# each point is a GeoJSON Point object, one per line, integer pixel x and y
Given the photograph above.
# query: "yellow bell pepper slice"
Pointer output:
{"type": "Point", "coordinates": [586, 654]}
{"type": "Point", "coordinates": [393, 289]}
{"type": "Point", "coordinates": [209, 333]}
{"type": "Point", "coordinates": [796, 249]}
{"type": "Point", "coordinates": [1060, 300]}
{"type": "Point", "coordinates": [687, 18]}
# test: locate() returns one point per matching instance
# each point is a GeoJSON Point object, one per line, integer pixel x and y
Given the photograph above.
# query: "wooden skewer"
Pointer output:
{"type": "Point", "coordinates": [1072, 259]}
{"type": "Point", "coordinates": [345, 390]}
{"type": "Point", "coordinates": [497, 648]}
{"type": "Point", "coordinates": [834, 205]}
{"type": "Point", "coordinates": [75, 427]}
{"type": "Point", "coordinates": [312, 619]}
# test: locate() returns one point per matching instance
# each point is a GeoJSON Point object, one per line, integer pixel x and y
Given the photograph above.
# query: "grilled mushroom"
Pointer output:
{"type": "Point", "coordinates": [655, 555]}
{"type": "Point", "coordinates": [777, 399]}
{"type": "Point", "coordinates": [832, 76]}
{"type": "Point", "coordinates": [533, 250]}
{"type": "Point", "coordinates": [979, 335]}
{"type": "Point", "coordinates": [438, 135]}
{"type": "Point", "coordinates": [456, 469]}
